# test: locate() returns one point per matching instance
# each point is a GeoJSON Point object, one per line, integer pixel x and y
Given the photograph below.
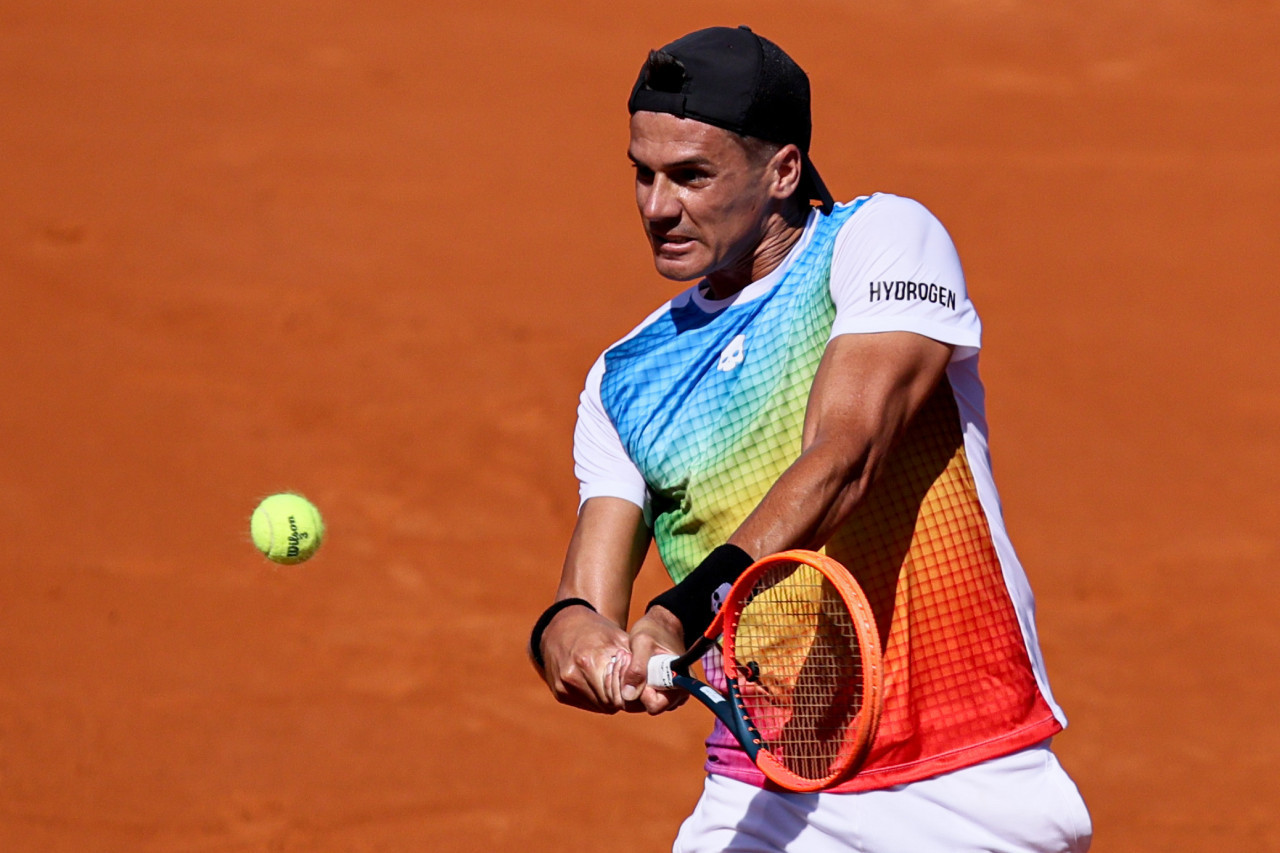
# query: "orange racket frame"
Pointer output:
{"type": "Point", "coordinates": [734, 710]}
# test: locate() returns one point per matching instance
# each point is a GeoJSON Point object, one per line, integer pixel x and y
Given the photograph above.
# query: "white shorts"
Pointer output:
{"type": "Point", "coordinates": [1021, 802]}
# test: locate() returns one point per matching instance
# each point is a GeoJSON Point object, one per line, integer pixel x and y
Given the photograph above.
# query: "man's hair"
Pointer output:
{"type": "Point", "coordinates": [758, 150]}
{"type": "Point", "coordinates": [663, 72]}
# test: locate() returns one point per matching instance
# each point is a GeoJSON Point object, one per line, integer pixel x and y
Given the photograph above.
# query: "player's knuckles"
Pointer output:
{"type": "Point", "coordinates": [570, 681]}
{"type": "Point", "coordinates": [578, 668]}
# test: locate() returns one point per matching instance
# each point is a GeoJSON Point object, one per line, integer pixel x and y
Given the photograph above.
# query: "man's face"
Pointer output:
{"type": "Point", "coordinates": [702, 198]}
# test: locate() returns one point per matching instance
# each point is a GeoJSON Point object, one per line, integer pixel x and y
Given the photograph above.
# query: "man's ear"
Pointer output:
{"type": "Point", "coordinates": [784, 169]}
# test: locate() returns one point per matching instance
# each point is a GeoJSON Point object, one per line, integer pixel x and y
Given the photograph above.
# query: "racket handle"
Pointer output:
{"type": "Point", "coordinates": [660, 673]}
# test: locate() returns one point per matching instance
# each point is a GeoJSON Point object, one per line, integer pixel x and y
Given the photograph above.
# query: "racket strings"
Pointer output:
{"type": "Point", "coordinates": [799, 669]}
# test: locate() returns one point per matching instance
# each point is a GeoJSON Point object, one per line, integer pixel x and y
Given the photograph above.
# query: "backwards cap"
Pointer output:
{"type": "Point", "coordinates": [736, 80]}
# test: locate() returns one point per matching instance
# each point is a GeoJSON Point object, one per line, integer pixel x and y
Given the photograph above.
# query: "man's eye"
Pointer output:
{"type": "Point", "coordinates": [643, 173]}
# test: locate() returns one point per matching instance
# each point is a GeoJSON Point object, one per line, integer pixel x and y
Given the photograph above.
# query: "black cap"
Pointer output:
{"type": "Point", "coordinates": [732, 78]}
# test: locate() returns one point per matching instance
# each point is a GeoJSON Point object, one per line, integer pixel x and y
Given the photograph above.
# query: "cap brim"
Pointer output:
{"type": "Point", "coordinates": [811, 184]}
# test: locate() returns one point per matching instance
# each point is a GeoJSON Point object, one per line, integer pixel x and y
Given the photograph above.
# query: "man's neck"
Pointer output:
{"type": "Point", "coordinates": [780, 236]}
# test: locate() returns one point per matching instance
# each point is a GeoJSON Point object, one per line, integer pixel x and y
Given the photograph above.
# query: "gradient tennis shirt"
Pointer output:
{"type": "Point", "coordinates": [696, 412]}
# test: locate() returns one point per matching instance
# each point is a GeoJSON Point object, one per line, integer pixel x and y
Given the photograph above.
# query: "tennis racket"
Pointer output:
{"type": "Point", "coordinates": [803, 668]}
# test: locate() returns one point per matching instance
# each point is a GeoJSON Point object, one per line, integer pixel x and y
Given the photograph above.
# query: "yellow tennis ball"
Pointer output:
{"type": "Point", "coordinates": [287, 528]}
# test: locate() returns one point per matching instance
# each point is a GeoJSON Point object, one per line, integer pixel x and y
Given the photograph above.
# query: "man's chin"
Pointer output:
{"type": "Point", "coordinates": [678, 270]}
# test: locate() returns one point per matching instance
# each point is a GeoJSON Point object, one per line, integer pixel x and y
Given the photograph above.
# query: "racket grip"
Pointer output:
{"type": "Point", "coordinates": [660, 674]}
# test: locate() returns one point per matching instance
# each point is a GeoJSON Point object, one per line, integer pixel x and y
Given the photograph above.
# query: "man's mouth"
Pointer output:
{"type": "Point", "coordinates": [669, 242]}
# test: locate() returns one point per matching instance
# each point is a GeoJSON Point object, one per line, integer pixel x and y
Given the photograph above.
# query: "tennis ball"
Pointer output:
{"type": "Point", "coordinates": [287, 528]}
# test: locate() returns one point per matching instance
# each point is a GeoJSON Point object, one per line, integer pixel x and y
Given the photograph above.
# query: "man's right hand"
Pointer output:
{"type": "Point", "coordinates": [585, 655]}
{"type": "Point", "coordinates": [657, 632]}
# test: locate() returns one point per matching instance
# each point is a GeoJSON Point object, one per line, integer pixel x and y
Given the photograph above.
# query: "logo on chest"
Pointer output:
{"type": "Point", "coordinates": [734, 354]}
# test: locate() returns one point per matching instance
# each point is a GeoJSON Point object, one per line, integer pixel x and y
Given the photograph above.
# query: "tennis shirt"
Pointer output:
{"type": "Point", "coordinates": [698, 410]}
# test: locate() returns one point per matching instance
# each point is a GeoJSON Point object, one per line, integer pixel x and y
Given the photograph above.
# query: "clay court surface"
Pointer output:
{"type": "Point", "coordinates": [367, 251]}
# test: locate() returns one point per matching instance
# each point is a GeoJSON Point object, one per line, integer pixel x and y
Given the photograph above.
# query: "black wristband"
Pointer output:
{"type": "Point", "coordinates": [694, 600]}
{"type": "Point", "coordinates": [535, 638]}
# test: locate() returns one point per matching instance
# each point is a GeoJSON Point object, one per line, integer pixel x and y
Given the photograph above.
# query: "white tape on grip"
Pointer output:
{"type": "Point", "coordinates": [660, 675]}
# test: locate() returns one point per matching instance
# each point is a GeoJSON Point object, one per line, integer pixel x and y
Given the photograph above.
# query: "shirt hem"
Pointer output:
{"type": "Point", "coordinates": [915, 771]}
{"type": "Point", "coordinates": [960, 338]}
{"type": "Point", "coordinates": [610, 490]}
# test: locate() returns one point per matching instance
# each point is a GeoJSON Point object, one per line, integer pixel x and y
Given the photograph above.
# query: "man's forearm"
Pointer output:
{"type": "Point", "coordinates": [808, 501]}
{"type": "Point", "coordinates": [604, 555]}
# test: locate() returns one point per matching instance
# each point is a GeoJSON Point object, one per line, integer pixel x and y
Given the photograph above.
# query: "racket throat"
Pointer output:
{"type": "Point", "coordinates": [739, 724]}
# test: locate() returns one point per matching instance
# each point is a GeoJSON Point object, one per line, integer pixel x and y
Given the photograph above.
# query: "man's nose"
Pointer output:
{"type": "Point", "coordinates": [659, 201]}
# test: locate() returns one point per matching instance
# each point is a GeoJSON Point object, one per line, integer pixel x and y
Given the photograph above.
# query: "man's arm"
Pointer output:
{"type": "Point", "coordinates": [867, 389]}
{"type": "Point", "coordinates": [605, 554]}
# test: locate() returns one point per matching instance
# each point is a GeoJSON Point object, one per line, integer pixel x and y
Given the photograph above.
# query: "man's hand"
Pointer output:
{"type": "Point", "coordinates": [585, 656]}
{"type": "Point", "coordinates": [578, 645]}
{"type": "Point", "coordinates": [657, 632]}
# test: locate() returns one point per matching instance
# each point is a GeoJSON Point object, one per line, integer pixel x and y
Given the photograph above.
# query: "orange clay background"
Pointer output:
{"type": "Point", "coordinates": [367, 250]}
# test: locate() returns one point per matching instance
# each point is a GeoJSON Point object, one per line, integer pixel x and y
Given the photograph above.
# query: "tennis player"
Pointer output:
{"type": "Point", "coordinates": [815, 386]}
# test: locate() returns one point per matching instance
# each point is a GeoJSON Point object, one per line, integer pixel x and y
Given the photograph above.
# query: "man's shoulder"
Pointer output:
{"type": "Point", "coordinates": [883, 205]}
{"type": "Point", "coordinates": [885, 216]}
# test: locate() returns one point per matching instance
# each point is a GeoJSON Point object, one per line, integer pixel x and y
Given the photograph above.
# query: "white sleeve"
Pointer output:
{"type": "Point", "coordinates": [599, 460]}
{"type": "Point", "coordinates": [895, 269]}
